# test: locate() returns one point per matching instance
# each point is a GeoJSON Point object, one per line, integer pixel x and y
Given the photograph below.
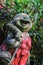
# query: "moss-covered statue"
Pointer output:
{"type": "Point", "coordinates": [17, 45]}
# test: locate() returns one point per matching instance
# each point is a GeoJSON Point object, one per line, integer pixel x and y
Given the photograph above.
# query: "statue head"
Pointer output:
{"type": "Point", "coordinates": [23, 22]}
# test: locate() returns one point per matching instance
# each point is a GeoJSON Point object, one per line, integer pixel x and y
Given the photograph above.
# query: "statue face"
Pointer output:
{"type": "Point", "coordinates": [23, 22]}
{"type": "Point", "coordinates": [23, 25]}
{"type": "Point", "coordinates": [12, 41]}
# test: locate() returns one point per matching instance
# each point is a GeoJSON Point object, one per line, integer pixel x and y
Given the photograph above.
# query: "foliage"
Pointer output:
{"type": "Point", "coordinates": [34, 8]}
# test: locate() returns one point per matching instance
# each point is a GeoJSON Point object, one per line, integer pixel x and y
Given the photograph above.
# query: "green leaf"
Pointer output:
{"type": "Point", "coordinates": [36, 17]}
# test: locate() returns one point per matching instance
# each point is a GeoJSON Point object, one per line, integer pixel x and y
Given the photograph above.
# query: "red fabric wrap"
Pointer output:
{"type": "Point", "coordinates": [23, 52]}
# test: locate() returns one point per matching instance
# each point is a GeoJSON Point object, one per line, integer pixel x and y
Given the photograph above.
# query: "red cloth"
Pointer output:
{"type": "Point", "coordinates": [23, 52]}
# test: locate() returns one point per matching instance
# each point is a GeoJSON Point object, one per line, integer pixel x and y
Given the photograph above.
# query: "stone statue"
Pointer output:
{"type": "Point", "coordinates": [18, 37]}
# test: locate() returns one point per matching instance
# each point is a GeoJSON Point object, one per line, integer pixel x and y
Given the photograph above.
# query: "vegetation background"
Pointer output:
{"type": "Point", "coordinates": [34, 8]}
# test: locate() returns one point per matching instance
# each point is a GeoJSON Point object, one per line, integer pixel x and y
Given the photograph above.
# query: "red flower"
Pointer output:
{"type": "Point", "coordinates": [2, 0]}
{"type": "Point", "coordinates": [1, 6]}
